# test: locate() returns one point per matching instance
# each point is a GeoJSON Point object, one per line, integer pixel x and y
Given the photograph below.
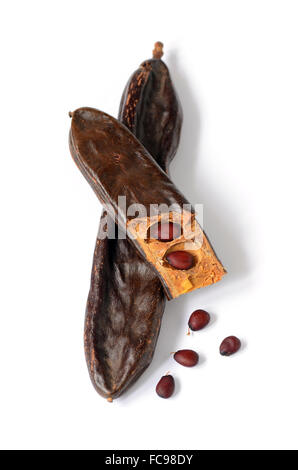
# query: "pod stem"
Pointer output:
{"type": "Point", "coordinates": [157, 52]}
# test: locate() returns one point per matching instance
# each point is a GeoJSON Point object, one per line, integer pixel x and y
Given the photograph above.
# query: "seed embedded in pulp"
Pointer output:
{"type": "Point", "coordinates": [164, 231]}
{"type": "Point", "coordinates": [180, 259]}
{"type": "Point", "coordinates": [186, 357]}
{"type": "Point", "coordinates": [198, 320]}
{"type": "Point", "coordinates": [229, 346]}
{"type": "Point", "coordinates": [166, 386]}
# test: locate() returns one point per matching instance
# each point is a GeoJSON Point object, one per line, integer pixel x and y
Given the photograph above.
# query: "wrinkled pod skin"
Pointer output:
{"type": "Point", "coordinates": [126, 300]}
{"type": "Point", "coordinates": [151, 110]}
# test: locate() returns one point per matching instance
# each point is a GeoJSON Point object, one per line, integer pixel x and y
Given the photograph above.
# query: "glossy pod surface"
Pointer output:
{"type": "Point", "coordinates": [116, 164]}
{"type": "Point", "coordinates": [126, 300]}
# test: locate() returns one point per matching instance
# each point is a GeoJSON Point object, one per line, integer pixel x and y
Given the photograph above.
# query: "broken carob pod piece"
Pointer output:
{"type": "Point", "coordinates": [198, 320]}
{"type": "Point", "coordinates": [121, 334]}
{"type": "Point", "coordinates": [166, 386]}
{"type": "Point", "coordinates": [229, 346]}
{"type": "Point", "coordinates": [130, 184]}
{"type": "Point", "coordinates": [186, 357]}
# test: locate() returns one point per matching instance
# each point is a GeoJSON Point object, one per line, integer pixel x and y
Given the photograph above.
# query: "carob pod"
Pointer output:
{"type": "Point", "coordinates": [151, 110]}
{"type": "Point", "coordinates": [117, 166]}
{"type": "Point", "coordinates": [126, 300]}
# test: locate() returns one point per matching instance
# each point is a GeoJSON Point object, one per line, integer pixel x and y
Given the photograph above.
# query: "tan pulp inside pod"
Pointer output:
{"type": "Point", "coordinates": [206, 270]}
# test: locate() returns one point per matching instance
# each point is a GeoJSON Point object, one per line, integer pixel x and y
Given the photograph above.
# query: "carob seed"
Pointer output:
{"type": "Point", "coordinates": [165, 232]}
{"type": "Point", "coordinates": [198, 320]}
{"type": "Point", "coordinates": [229, 346]}
{"type": "Point", "coordinates": [186, 357]}
{"type": "Point", "coordinates": [180, 259]}
{"type": "Point", "coordinates": [165, 387]}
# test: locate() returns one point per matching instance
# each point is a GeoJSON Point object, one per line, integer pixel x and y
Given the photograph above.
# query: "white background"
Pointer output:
{"type": "Point", "coordinates": [234, 64]}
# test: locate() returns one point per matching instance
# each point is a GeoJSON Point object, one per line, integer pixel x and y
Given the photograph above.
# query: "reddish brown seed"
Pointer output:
{"type": "Point", "coordinates": [186, 357]}
{"type": "Point", "coordinates": [198, 320]}
{"type": "Point", "coordinates": [229, 346]}
{"type": "Point", "coordinates": [164, 231]}
{"type": "Point", "coordinates": [165, 387]}
{"type": "Point", "coordinates": [180, 259]}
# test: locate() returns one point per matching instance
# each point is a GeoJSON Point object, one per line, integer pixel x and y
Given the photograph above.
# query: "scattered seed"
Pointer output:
{"type": "Point", "coordinates": [198, 320]}
{"type": "Point", "coordinates": [165, 387]}
{"type": "Point", "coordinates": [186, 357]}
{"type": "Point", "coordinates": [229, 346]}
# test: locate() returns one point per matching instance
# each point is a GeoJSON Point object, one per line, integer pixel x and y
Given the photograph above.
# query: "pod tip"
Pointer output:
{"type": "Point", "coordinates": [110, 399]}
{"type": "Point", "coordinates": [70, 114]}
{"type": "Point", "coordinates": [158, 50]}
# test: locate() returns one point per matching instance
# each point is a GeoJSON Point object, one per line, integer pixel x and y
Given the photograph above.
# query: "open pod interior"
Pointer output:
{"type": "Point", "coordinates": [206, 268]}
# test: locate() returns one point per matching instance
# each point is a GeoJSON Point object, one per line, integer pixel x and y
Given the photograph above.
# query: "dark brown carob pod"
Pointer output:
{"type": "Point", "coordinates": [151, 110]}
{"type": "Point", "coordinates": [126, 300]}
